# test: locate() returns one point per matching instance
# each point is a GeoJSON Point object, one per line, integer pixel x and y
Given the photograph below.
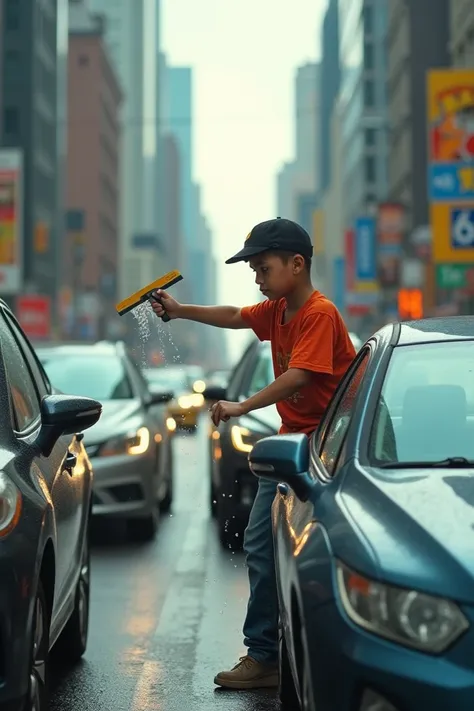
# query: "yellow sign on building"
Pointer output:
{"type": "Point", "coordinates": [450, 94]}
{"type": "Point", "coordinates": [318, 231]}
{"type": "Point", "coordinates": [452, 229]}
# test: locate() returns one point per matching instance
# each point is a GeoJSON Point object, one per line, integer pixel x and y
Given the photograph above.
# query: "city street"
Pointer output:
{"type": "Point", "coordinates": [165, 616]}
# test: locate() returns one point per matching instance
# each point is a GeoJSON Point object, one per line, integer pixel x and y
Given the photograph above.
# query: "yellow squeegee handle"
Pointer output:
{"type": "Point", "coordinates": [135, 299]}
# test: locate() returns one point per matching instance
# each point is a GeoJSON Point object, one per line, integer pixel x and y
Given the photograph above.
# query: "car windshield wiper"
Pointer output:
{"type": "Point", "coordinates": [448, 463]}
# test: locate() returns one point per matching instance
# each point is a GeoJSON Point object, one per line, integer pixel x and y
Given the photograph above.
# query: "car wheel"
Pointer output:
{"type": "Point", "coordinates": [73, 641]}
{"type": "Point", "coordinates": [287, 689]}
{"type": "Point", "coordinates": [165, 504]}
{"type": "Point", "coordinates": [307, 686]}
{"type": "Point", "coordinates": [143, 529]}
{"type": "Point", "coordinates": [38, 697]}
{"type": "Point", "coordinates": [231, 530]}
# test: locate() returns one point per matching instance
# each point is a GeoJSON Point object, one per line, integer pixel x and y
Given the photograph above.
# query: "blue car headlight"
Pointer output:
{"type": "Point", "coordinates": [429, 624]}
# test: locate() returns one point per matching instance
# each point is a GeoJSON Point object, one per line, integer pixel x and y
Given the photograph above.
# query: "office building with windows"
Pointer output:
{"type": "Point", "coordinates": [462, 33]}
{"type": "Point", "coordinates": [417, 40]}
{"type": "Point", "coordinates": [33, 43]}
{"type": "Point", "coordinates": [363, 104]}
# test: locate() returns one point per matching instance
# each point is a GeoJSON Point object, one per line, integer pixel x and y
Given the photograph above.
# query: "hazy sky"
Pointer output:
{"type": "Point", "coordinates": [244, 54]}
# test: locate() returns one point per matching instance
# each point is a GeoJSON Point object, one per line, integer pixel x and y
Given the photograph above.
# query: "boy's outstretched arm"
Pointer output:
{"type": "Point", "coordinates": [282, 388]}
{"type": "Point", "coordinates": [220, 316]}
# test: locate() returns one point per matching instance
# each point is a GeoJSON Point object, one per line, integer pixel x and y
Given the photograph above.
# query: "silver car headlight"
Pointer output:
{"type": "Point", "coordinates": [132, 443]}
{"type": "Point", "coordinates": [10, 505]}
{"type": "Point", "coordinates": [429, 624]}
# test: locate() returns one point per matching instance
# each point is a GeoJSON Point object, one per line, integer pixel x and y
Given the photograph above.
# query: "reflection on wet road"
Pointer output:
{"type": "Point", "coordinates": [165, 616]}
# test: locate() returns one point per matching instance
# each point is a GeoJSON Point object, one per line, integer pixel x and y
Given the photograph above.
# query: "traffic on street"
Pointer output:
{"type": "Point", "coordinates": [164, 616]}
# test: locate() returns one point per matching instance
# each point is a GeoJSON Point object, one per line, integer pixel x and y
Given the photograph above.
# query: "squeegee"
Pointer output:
{"type": "Point", "coordinates": [145, 294]}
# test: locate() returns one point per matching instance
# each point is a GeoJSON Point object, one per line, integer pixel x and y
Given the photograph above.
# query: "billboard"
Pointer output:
{"type": "Point", "coordinates": [365, 250]}
{"type": "Point", "coordinates": [357, 302]}
{"type": "Point", "coordinates": [451, 134]}
{"type": "Point", "coordinates": [339, 282]}
{"type": "Point", "coordinates": [452, 227]}
{"type": "Point", "coordinates": [450, 113]}
{"type": "Point", "coordinates": [390, 229]}
{"type": "Point", "coordinates": [11, 217]}
{"type": "Point", "coordinates": [34, 314]}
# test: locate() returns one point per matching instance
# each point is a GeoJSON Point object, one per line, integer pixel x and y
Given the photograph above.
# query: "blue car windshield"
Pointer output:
{"type": "Point", "coordinates": [95, 375]}
{"type": "Point", "coordinates": [426, 407]}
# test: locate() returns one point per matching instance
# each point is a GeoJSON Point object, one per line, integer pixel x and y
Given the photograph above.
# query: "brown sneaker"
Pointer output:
{"type": "Point", "coordinates": [248, 674]}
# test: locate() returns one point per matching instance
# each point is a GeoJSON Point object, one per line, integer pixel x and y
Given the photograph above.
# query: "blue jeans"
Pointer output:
{"type": "Point", "coordinates": [261, 623]}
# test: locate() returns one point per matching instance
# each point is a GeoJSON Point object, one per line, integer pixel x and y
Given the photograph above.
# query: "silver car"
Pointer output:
{"type": "Point", "coordinates": [131, 446]}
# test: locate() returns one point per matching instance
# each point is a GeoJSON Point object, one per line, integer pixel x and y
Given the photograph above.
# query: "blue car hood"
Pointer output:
{"type": "Point", "coordinates": [417, 525]}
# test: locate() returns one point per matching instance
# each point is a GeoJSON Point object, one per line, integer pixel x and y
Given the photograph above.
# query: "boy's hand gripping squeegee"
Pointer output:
{"type": "Point", "coordinates": [145, 294]}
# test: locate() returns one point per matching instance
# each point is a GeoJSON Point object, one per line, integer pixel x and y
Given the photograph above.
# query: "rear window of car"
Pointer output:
{"type": "Point", "coordinates": [99, 376]}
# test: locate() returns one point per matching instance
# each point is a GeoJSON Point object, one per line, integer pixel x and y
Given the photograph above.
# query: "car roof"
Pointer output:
{"type": "Point", "coordinates": [438, 329]}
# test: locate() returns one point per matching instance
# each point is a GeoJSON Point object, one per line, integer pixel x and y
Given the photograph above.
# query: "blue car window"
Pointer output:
{"type": "Point", "coordinates": [426, 409]}
{"type": "Point", "coordinates": [337, 428]}
{"type": "Point", "coordinates": [263, 373]}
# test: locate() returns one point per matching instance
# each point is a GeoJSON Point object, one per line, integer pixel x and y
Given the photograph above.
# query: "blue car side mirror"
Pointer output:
{"type": "Point", "coordinates": [284, 458]}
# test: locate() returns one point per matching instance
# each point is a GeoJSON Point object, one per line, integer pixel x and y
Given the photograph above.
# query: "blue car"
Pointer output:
{"type": "Point", "coordinates": [373, 527]}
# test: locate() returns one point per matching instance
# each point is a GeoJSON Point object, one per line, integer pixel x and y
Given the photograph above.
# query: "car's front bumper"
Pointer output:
{"type": "Point", "coordinates": [125, 486]}
{"type": "Point", "coordinates": [236, 482]}
{"type": "Point", "coordinates": [353, 670]}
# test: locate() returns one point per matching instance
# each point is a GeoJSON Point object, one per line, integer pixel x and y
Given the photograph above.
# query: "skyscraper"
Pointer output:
{"type": "Point", "coordinates": [179, 120]}
{"type": "Point", "coordinates": [33, 45]}
{"type": "Point", "coordinates": [364, 111]}
{"type": "Point", "coordinates": [90, 252]}
{"type": "Point", "coordinates": [299, 177]}
{"type": "Point", "coordinates": [132, 34]}
{"type": "Point", "coordinates": [329, 81]}
{"type": "Point", "coordinates": [418, 40]}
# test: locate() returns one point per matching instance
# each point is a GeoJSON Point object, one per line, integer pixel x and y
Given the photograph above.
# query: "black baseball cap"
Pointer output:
{"type": "Point", "coordinates": [277, 234]}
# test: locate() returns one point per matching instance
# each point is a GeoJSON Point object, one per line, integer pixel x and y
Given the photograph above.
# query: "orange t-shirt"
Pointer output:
{"type": "Point", "coordinates": [316, 339]}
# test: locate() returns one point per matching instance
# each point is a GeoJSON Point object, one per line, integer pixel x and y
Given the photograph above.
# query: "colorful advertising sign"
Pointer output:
{"type": "Point", "coordinates": [451, 135]}
{"type": "Point", "coordinates": [358, 303]}
{"type": "Point", "coordinates": [410, 304]}
{"type": "Point", "coordinates": [349, 259]}
{"type": "Point", "coordinates": [455, 276]}
{"type": "Point", "coordinates": [339, 282]}
{"type": "Point", "coordinates": [34, 314]}
{"type": "Point", "coordinates": [390, 230]}
{"type": "Point", "coordinates": [11, 242]}
{"type": "Point", "coordinates": [365, 249]}
{"type": "Point", "coordinates": [452, 228]}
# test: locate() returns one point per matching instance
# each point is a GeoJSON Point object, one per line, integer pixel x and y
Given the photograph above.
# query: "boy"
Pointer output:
{"type": "Point", "coordinates": [311, 351]}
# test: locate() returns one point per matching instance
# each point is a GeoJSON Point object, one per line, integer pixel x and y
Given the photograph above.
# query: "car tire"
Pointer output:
{"type": "Point", "coordinates": [165, 504]}
{"type": "Point", "coordinates": [38, 683]}
{"type": "Point", "coordinates": [287, 689]}
{"type": "Point", "coordinates": [72, 643]}
{"type": "Point", "coordinates": [143, 530]}
{"type": "Point", "coordinates": [231, 530]}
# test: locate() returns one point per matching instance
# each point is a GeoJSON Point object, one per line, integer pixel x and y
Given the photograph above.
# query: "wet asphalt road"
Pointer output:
{"type": "Point", "coordinates": [165, 616]}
